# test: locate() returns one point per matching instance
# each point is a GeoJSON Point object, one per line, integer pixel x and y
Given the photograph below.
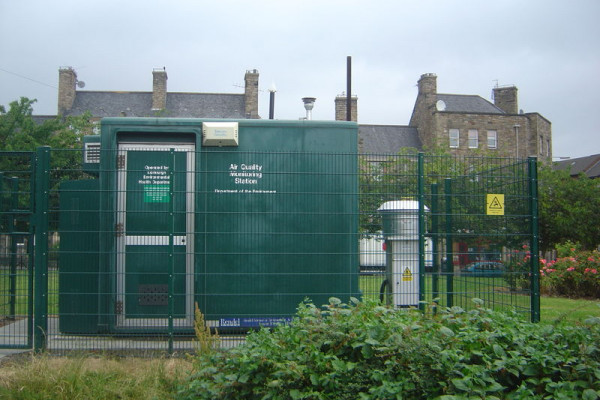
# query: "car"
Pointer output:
{"type": "Point", "coordinates": [484, 268]}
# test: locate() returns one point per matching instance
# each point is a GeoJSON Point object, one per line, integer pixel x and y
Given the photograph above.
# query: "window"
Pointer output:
{"type": "Point", "coordinates": [473, 139]}
{"type": "Point", "coordinates": [541, 145]}
{"type": "Point", "coordinates": [492, 139]}
{"type": "Point", "coordinates": [454, 138]}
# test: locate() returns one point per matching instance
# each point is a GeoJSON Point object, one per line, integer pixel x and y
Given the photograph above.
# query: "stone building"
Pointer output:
{"type": "Point", "coordinates": [469, 124]}
{"type": "Point", "coordinates": [158, 103]}
{"type": "Point", "coordinates": [459, 124]}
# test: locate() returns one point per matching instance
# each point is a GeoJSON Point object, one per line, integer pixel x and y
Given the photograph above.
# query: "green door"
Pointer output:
{"type": "Point", "coordinates": [155, 220]}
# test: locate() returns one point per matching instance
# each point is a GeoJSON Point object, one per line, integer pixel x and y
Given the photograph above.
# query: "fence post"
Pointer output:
{"type": "Point", "coordinates": [14, 205]}
{"type": "Point", "coordinates": [171, 286]}
{"type": "Point", "coordinates": [434, 243]}
{"type": "Point", "coordinates": [449, 267]}
{"type": "Point", "coordinates": [40, 293]}
{"type": "Point", "coordinates": [534, 260]}
{"type": "Point", "coordinates": [421, 191]}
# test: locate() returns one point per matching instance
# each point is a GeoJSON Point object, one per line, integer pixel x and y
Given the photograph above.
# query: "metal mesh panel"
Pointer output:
{"type": "Point", "coordinates": [16, 283]}
{"type": "Point", "coordinates": [245, 236]}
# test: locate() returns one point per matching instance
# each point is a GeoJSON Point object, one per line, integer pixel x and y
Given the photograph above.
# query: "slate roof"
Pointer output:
{"type": "Point", "coordinates": [40, 119]}
{"type": "Point", "coordinates": [589, 165]}
{"type": "Point", "coordinates": [468, 104]}
{"type": "Point", "coordinates": [387, 139]}
{"type": "Point", "coordinates": [139, 104]}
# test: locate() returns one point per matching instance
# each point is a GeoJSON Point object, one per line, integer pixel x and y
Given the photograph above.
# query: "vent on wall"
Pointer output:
{"type": "Point", "coordinates": [91, 153]}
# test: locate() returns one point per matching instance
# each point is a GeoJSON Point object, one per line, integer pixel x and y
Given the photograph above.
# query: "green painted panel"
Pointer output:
{"type": "Point", "coordinates": [275, 219]}
{"type": "Point", "coordinates": [78, 256]}
{"type": "Point", "coordinates": [149, 220]}
{"type": "Point", "coordinates": [281, 224]}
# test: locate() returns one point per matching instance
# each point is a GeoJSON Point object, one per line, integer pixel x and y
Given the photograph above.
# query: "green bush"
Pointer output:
{"type": "Point", "coordinates": [367, 351]}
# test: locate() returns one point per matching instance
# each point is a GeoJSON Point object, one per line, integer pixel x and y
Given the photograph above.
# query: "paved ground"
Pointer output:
{"type": "Point", "coordinates": [15, 335]}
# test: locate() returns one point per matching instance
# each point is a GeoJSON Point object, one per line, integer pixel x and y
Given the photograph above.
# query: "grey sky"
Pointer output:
{"type": "Point", "coordinates": [548, 49]}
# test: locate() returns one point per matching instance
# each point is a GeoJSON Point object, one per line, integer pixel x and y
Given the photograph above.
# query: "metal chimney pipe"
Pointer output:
{"type": "Point", "coordinates": [272, 91]}
{"type": "Point", "coordinates": [349, 88]}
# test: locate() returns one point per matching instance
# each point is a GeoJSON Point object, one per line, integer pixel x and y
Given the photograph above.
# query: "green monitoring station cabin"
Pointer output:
{"type": "Point", "coordinates": [244, 219]}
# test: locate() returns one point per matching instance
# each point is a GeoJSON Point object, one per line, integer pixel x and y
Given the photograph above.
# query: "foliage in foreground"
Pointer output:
{"type": "Point", "coordinates": [366, 351]}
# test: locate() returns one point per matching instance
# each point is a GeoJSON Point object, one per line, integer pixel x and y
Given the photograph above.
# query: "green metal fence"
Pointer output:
{"type": "Point", "coordinates": [477, 236]}
{"type": "Point", "coordinates": [16, 246]}
{"type": "Point", "coordinates": [127, 250]}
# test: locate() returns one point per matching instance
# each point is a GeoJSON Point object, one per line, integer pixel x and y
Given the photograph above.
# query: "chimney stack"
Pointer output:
{"type": "Point", "coordinates": [428, 84]}
{"type": "Point", "coordinates": [159, 89]}
{"type": "Point", "coordinates": [67, 79]}
{"type": "Point", "coordinates": [251, 94]}
{"type": "Point", "coordinates": [505, 98]}
{"type": "Point", "coordinates": [340, 108]}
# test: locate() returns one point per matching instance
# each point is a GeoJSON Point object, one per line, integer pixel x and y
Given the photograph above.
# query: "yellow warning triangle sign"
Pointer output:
{"type": "Point", "coordinates": [407, 275]}
{"type": "Point", "coordinates": [495, 204]}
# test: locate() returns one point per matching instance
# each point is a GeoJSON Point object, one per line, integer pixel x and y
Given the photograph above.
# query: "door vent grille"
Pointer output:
{"type": "Point", "coordinates": [153, 295]}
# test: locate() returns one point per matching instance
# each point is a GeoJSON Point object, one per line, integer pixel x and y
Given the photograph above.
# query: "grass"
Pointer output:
{"type": "Point", "coordinates": [489, 289]}
{"type": "Point", "coordinates": [559, 309]}
{"type": "Point", "coordinates": [493, 291]}
{"type": "Point", "coordinates": [46, 377]}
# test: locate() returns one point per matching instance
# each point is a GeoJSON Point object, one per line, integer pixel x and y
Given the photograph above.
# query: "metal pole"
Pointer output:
{"type": "Point", "coordinates": [271, 104]}
{"type": "Point", "coordinates": [421, 191]}
{"type": "Point", "coordinates": [449, 264]}
{"type": "Point", "coordinates": [40, 295]}
{"type": "Point", "coordinates": [13, 244]}
{"type": "Point", "coordinates": [534, 260]}
{"type": "Point", "coordinates": [30, 249]}
{"type": "Point", "coordinates": [171, 286]}
{"type": "Point", "coordinates": [349, 88]}
{"type": "Point", "coordinates": [434, 244]}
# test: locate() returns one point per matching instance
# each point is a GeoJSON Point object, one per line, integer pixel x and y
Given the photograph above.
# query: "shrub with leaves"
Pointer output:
{"type": "Point", "coordinates": [575, 273]}
{"type": "Point", "coordinates": [367, 351]}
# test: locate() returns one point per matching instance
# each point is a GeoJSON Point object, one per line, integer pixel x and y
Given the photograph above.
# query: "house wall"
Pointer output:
{"type": "Point", "coordinates": [510, 143]}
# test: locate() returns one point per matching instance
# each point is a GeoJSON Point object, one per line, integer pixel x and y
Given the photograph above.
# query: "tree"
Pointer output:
{"type": "Point", "coordinates": [19, 131]}
{"type": "Point", "coordinates": [569, 209]}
